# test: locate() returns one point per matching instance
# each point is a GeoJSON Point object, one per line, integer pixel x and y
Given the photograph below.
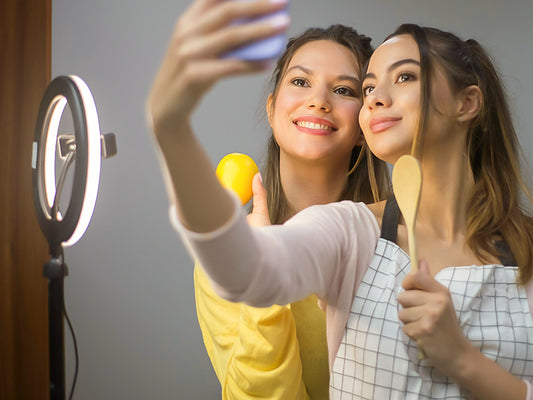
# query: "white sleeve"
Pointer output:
{"type": "Point", "coordinates": [280, 264]}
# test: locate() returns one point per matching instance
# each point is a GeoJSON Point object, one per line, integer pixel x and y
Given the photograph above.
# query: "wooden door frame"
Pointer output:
{"type": "Point", "coordinates": [25, 52]}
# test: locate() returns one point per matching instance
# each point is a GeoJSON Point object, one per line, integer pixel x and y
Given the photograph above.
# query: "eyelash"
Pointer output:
{"type": "Point", "coordinates": [303, 83]}
{"type": "Point", "coordinates": [365, 88]}
{"type": "Point", "coordinates": [299, 82]}
{"type": "Point", "coordinates": [349, 91]}
{"type": "Point", "coordinates": [410, 77]}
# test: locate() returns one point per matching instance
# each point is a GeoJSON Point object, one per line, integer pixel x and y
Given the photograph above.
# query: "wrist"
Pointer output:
{"type": "Point", "coordinates": [173, 137]}
{"type": "Point", "coordinates": [167, 128]}
{"type": "Point", "coordinates": [482, 377]}
{"type": "Point", "coordinates": [465, 364]}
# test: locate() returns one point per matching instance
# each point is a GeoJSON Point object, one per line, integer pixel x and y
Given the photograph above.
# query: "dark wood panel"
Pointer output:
{"type": "Point", "coordinates": [25, 52]}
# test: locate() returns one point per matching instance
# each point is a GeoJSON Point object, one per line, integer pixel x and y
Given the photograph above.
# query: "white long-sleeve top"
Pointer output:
{"type": "Point", "coordinates": [323, 250]}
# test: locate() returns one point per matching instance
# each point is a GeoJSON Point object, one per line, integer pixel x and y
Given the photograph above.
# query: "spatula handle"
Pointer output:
{"type": "Point", "coordinates": [412, 248]}
{"type": "Point", "coordinates": [414, 267]}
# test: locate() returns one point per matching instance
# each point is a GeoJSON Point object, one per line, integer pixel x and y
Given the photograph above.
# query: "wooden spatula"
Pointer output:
{"type": "Point", "coordinates": [406, 184]}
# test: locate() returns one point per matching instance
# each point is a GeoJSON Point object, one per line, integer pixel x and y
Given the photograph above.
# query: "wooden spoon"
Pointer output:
{"type": "Point", "coordinates": [406, 184]}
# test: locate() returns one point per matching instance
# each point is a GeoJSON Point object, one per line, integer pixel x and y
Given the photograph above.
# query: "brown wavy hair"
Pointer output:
{"type": "Point", "coordinates": [369, 182]}
{"type": "Point", "coordinates": [494, 210]}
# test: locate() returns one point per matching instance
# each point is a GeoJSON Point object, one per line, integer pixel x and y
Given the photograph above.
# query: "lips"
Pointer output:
{"type": "Point", "coordinates": [315, 125]}
{"type": "Point", "coordinates": [380, 124]}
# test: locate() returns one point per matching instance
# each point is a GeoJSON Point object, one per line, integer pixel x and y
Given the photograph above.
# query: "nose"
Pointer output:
{"type": "Point", "coordinates": [377, 98]}
{"type": "Point", "coordinates": [319, 100]}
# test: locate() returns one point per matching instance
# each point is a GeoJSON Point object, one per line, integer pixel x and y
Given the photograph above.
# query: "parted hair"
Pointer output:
{"type": "Point", "coordinates": [369, 181]}
{"type": "Point", "coordinates": [494, 211]}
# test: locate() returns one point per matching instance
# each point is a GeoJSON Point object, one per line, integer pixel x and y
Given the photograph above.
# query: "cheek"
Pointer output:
{"type": "Point", "coordinates": [351, 118]}
{"type": "Point", "coordinates": [350, 112]}
{"type": "Point", "coordinates": [363, 119]}
{"type": "Point", "coordinates": [282, 108]}
{"type": "Point", "coordinates": [287, 98]}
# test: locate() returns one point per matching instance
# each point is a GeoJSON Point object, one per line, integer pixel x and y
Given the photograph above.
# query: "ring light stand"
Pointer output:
{"type": "Point", "coordinates": [85, 149]}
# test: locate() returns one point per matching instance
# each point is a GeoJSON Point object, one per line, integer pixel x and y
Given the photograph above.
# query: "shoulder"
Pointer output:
{"type": "Point", "coordinates": [345, 218]}
{"type": "Point", "coordinates": [342, 209]}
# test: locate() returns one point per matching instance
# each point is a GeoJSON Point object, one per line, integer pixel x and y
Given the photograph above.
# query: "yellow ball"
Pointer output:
{"type": "Point", "coordinates": [236, 171]}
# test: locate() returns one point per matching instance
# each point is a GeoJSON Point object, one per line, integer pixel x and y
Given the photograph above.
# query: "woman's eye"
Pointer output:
{"type": "Point", "coordinates": [367, 90]}
{"type": "Point", "coordinates": [299, 82]}
{"type": "Point", "coordinates": [404, 78]}
{"type": "Point", "coordinates": [345, 91]}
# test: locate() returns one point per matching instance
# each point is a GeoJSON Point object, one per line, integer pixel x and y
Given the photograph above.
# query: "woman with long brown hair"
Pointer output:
{"type": "Point", "coordinates": [288, 343]}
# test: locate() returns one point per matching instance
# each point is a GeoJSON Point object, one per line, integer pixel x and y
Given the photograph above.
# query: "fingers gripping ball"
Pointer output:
{"type": "Point", "coordinates": [236, 171]}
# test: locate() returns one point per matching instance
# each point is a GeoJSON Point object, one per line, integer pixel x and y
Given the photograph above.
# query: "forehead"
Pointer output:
{"type": "Point", "coordinates": [394, 49]}
{"type": "Point", "coordinates": [326, 55]}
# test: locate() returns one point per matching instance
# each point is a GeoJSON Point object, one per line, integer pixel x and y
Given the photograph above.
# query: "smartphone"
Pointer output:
{"type": "Point", "coordinates": [264, 49]}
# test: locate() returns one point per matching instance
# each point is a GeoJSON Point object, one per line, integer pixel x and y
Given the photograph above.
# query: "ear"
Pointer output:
{"type": "Point", "coordinates": [270, 107]}
{"type": "Point", "coordinates": [470, 103]}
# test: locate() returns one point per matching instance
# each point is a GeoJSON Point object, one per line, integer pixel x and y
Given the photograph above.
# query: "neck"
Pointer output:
{"type": "Point", "coordinates": [447, 185]}
{"type": "Point", "coordinates": [306, 183]}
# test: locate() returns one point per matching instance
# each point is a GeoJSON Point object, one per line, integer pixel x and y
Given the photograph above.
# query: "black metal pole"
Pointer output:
{"type": "Point", "coordinates": [55, 271]}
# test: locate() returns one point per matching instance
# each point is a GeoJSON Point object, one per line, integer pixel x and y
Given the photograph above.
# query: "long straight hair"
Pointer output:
{"type": "Point", "coordinates": [369, 182]}
{"type": "Point", "coordinates": [494, 209]}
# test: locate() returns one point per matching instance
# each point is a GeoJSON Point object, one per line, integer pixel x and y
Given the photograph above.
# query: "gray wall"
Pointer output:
{"type": "Point", "coordinates": [129, 292]}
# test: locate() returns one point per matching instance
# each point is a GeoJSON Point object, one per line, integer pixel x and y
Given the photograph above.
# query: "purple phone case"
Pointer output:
{"type": "Point", "coordinates": [261, 50]}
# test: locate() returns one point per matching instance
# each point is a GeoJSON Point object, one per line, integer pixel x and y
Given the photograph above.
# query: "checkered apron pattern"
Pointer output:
{"type": "Point", "coordinates": [376, 360]}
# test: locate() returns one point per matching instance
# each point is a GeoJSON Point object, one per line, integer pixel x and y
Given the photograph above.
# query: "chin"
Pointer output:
{"type": "Point", "coordinates": [389, 154]}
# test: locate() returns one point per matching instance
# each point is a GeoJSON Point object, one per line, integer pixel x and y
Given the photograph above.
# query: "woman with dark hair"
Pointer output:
{"type": "Point", "coordinates": [288, 343]}
{"type": "Point", "coordinates": [466, 308]}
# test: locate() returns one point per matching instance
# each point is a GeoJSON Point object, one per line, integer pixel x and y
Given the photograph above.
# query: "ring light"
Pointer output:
{"type": "Point", "coordinates": [68, 229]}
{"type": "Point", "coordinates": [85, 148]}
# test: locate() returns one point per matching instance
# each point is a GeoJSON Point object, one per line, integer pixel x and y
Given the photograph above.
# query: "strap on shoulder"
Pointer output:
{"type": "Point", "coordinates": [391, 218]}
{"type": "Point", "coordinates": [505, 255]}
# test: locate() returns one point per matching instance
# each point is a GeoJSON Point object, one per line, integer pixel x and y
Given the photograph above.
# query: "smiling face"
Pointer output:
{"type": "Point", "coordinates": [391, 92]}
{"type": "Point", "coordinates": [314, 113]}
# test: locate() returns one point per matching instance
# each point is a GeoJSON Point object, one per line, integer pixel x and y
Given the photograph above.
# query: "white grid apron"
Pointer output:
{"type": "Point", "coordinates": [376, 360]}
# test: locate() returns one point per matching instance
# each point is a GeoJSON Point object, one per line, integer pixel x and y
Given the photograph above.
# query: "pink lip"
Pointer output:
{"type": "Point", "coordinates": [380, 124]}
{"type": "Point", "coordinates": [315, 120]}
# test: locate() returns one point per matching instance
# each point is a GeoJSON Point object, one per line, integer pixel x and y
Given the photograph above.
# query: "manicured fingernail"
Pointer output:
{"type": "Point", "coordinates": [260, 177]}
{"type": "Point", "coordinates": [279, 1]}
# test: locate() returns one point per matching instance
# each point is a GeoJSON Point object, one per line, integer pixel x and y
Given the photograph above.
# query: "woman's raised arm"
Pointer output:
{"type": "Point", "coordinates": [192, 64]}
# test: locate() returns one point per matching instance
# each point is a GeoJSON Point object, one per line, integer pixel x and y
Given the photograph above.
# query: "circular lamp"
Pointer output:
{"type": "Point", "coordinates": [85, 147]}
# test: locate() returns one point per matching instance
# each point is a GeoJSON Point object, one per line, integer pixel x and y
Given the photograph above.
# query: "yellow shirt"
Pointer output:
{"type": "Point", "coordinates": [278, 352]}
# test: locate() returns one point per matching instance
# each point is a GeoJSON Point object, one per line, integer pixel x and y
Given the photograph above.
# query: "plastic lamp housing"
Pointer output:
{"type": "Point", "coordinates": [67, 229]}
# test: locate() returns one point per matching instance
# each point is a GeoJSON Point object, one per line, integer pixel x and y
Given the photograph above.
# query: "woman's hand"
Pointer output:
{"type": "Point", "coordinates": [193, 62]}
{"type": "Point", "coordinates": [429, 319]}
{"type": "Point", "coordinates": [259, 215]}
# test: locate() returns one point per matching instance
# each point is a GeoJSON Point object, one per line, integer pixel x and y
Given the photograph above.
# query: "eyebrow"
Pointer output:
{"type": "Point", "coordinates": [355, 81]}
{"type": "Point", "coordinates": [393, 66]}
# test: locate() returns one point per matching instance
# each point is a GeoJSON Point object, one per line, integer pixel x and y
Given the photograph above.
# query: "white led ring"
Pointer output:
{"type": "Point", "coordinates": [66, 229]}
